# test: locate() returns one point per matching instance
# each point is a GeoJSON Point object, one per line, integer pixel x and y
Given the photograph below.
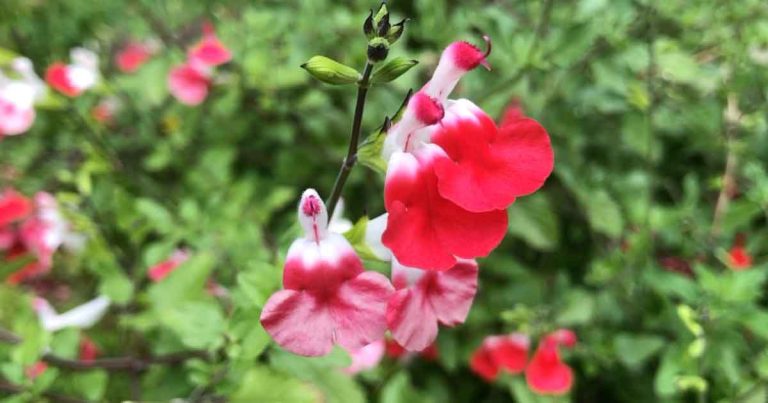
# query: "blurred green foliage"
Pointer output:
{"type": "Point", "coordinates": [644, 100]}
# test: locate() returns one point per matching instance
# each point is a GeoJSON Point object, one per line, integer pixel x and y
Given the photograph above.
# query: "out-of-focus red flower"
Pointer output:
{"type": "Point", "coordinates": [78, 76]}
{"type": "Point", "coordinates": [89, 351]}
{"type": "Point", "coordinates": [13, 207]}
{"type": "Point", "coordinates": [189, 84]}
{"type": "Point", "coordinates": [132, 56]}
{"type": "Point", "coordinates": [500, 353]}
{"type": "Point", "coordinates": [547, 374]}
{"type": "Point", "coordinates": [104, 111]}
{"type": "Point", "coordinates": [738, 257]}
{"type": "Point", "coordinates": [677, 265]}
{"type": "Point", "coordinates": [163, 269]}
{"type": "Point", "coordinates": [396, 351]}
{"type": "Point", "coordinates": [36, 369]}
{"type": "Point", "coordinates": [210, 51]}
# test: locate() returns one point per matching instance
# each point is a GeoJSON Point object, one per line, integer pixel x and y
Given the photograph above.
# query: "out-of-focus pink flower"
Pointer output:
{"type": "Point", "coordinates": [210, 51]}
{"type": "Point", "coordinates": [132, 56]}
{"type": "Point", "coordinates": [396, 351]}
{"type": "Point", "coordinates": [500, 353]}
{"type": "Point", "coordinates": [547, 374]}
{"type": "Point", "coordinates": [36, 369]}
{"type": "Point", "coordinates": [78, 76]}
{"type": "Point", "coordinates": [189, 84]}
{"type": "Point", "coordinates": [17, 98]}
{"type": "Point", "coordinates": [163, 269]}
{"type": "Point", "coordinates": [328, 297]}
{"type": "Point", "coordinates": [89, 351]}
{"type": "Point", "coordinates": [366, 357]}
{"type": "Point", "coordinates": [104, 111]}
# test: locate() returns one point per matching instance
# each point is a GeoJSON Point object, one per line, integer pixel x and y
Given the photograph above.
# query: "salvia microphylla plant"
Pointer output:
{"type": "Point", "coordinates": [451, 172]}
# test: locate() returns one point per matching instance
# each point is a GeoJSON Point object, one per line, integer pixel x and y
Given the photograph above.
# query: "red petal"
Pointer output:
{"type": "Point", "coordinates": [489, 167]}
{"type": "Point", "coordinates": [188, 85]}
{"type": "Point", "coordinates": [483, 364]}
{"type": "Point", "coordinates": [547, 374]}
{"type": "Point", "coordinates": [426, 231]}
{"type": "Point", "coordinates": [210, 52]}
{"type": "Point", "coordinates": [509, 352]}
{"type": "Point", "coordinates": [13, 207]}
{"type": "Point", "coordinates": [56, 76]}
{"type": "Point", "coordinates": [133, 56]}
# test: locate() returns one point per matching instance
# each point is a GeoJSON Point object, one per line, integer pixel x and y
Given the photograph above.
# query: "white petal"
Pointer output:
{"type": "Point", "coordinates": [373, 232]}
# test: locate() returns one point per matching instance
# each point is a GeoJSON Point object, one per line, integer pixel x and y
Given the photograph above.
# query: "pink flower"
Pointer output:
{"type": "Point", "coordinates": [425, 298]}
{"type": "Point", "coordinates": [210, 51]}
{"type": "Point", "coordinates": [75, 78]}
{"type": "Point", "coordinates": [132, 56]}
{"type": "Point", "coordinates": [547, 374]}
{"type": "Point", "coordinates": [17, 98]}
{"type": "Point", "coordinates": [366, 357]}
{"type": "Point", "coordinates": [104, 111]}
{"type": "Point", "coordinates": [500, 353]}
{"type": "Point", "coordinates": [36, 370]}
{"type": "Point", "coordinates": [189, 84]}
{"type": "Point", "coordinates": [162, 269]}
{"type": "Point", "coordinates": [328, 297]}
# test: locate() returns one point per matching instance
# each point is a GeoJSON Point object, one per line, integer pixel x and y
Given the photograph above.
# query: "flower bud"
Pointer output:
{"type": "Point", "coordinates": [378, 49]}
{"type": "Point", "coordinates": [330, 71]}
{"type": "Point", "coordinates": [368, 29]}
{"type": "Point", "coordinates": [392, 70]}
{"type": "Point", "coordinates": [394, 33]}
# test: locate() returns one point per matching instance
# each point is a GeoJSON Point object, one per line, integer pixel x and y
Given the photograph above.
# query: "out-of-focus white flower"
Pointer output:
{"type": "Point", "coordinates": [80, 317]}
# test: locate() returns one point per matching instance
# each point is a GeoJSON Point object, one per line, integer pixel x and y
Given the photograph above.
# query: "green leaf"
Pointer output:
{"type": "Point", "coordinates": [330, 71]}
{"type": "Point", "coordinates": [198, 324]}
{"type": "Point", "coordinates": [400, 390]}
{"type": "Point", "coordinates": [533, 220]}
{"type": "Point", "coordinates": [392, 69]}
{"type": "Point", "coordinates": [579, 309]}
{"type": "Point", "coordinates": [604, 213]}
{"type": "Point", "coordinates": [356, 237]}
{"type": "Point", "coordinates": [7, 56]}
{"type": "Point", "coordinates": [369, 152]}
{"type": "Point", "coordinates": [260, 384]}
{"type": "Point", "coordinates": [635, 349]}
{"type": "Point", "coordinates": [185, 283]}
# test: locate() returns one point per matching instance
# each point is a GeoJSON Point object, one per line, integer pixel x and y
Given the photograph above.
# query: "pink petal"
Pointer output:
{"type": "Point", "coordinates": [188, 85]}
{"type": "Point", "coordinates": [411, 320]}
{"type": "Point", "coordinates": [359, 310]}
{"type": "Point", "coordinates": [366, 358]}
{"type": "Point", "coordinates": [210, 51]}
{"type": "Point", "coordinates": [426, 231]}
{"type": "Point", "coordinates": [299, 322]}
{"type": "Point", "coordinates": [489, 167]}
{"type": "Point", "coordinates": [132, 57]}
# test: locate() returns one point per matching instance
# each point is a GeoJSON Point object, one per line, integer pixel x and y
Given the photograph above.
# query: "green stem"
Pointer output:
{"type": "Point", "coordinates": [354, 140]}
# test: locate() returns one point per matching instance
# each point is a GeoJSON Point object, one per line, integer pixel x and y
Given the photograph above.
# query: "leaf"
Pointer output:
{"type": "Point", "coordinates": [356, 237]}
{"type": "Point", "coordinates": [579, 309]}
{"type": "Point", "coordinates": [400, 390]}
{"type": "Point", "coordinates": [6, 56]}
{"type": "Point", "coordinates": [369, 152]}
{"type": "Point", "coordinates": [604, 213]}
{"type": "Point", "coordinates": [533, 220]}
{"type": "Point", "coordinates": [633, 350]}
{"type": "Point", "coordinates": [261, 384]}
{"type": "Point", "coordinates": [330, 71]}
{"type": "Point", "coordinates": [198, 324]}
{"type": "Point", "coordinates": [392, 69]}
{"type": "Point", "coordinates": [185, 283]}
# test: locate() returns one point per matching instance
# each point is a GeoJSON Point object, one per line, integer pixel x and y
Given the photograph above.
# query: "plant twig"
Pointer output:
{"type": "Point", "coordinates": [731, 161]}
{"type": "Point", "coordinates": [125, 363]}
{"type": "Point", "coordinates": [354, 140]}
{"type": "Point", "coordinates": [55, 397]}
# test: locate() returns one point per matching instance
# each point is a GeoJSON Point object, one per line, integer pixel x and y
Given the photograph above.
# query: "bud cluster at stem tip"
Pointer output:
{"type": "Point", "coordinates": [380, 33]}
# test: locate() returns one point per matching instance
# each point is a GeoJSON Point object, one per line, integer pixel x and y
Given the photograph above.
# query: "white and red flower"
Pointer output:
{"type": "Point", "coordinates": [507, 353]}
{"type": "Point", "coordinates": [328, 297]}
{"type": "Point", "coordinates": [77, 77]}
{"type": "Point", "coordinates": [190, 82]}
{"type": "Point", "coordinates": [17, 98]}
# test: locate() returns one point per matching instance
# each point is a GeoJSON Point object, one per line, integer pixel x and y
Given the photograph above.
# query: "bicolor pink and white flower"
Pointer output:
{"type": "Point", "coordinates": [77, 77]}
{"type": "Point", "coordinates": [328, 297]}
{"type": "Point", "coordinates": [508, 353]}
{"type": "Point", "coordinates": [423, 299]}
{"type": "Point", "coordinates": [162, 269]}
{"type": "Point", "coordinates": [190, 82]}
{"type": "Point", "coordinates": [17, 98]}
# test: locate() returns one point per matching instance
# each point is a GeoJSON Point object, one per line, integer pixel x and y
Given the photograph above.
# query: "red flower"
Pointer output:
{"type": "Point", "coordinates": [210, 51]}
{"type": "Point", "coordinates": [189, 84]}
{"type": "Point", "coordinates": [163, 269]}
{"type": "Point", "coordinates": [547, 374]}
{"type": "Point", "coordinates": [36, 370]}
{"type": "Point", "coordinates": [75, 78]}
{"type": "Point", "coordinates": [425, 298]}
{"type": "Point", "coordinates": [488, 167]}
{"type": "Point", "coordinates": [132, 56]}
{"type": "Point", "coordinates": [57, 76]}
{"type": "Point", "coordinates": [395, 350]}
{"type": "Point", "coordinates": [328, 297]}
{"type": "Point", "coordinates": [738, 257]}
{"type": "Point", "coordinates": [500, 353]}
{"type": "Point", "coordinates": [512, 113]}
{"type": "Point", "coordinates": [425, 230]}
{"type": "Point", "coordinates": [88, 349]}
{"type": "Point", "coordinates": [13, 207]}
{"type": "Point", "coordinates": [457, 59]}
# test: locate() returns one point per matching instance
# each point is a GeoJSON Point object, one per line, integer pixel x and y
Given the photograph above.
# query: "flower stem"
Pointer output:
{"type": "Point", "coordinates": [354, 139]}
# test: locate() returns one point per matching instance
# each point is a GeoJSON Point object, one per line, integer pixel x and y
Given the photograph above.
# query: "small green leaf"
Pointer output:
{"type": "Point", "coordinates": [260, 384]}
{"type": "Point", "coordinates": [356, 237]}
{"type": "Point", "coordinates": [392, 69]}
{"type": "Point", "coordinates": [635, 349]}
{"type": "Point", "coordinates": [330, 71]}
{"type": "Point", "coordinates": [533, 220]}
{"type": "Point", "coordinates": [369, 153]}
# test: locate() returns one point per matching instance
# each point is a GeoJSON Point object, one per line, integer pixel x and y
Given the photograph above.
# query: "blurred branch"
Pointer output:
{"type": "Point", "coordinates": [354, 139]}
{"type": "Point", "coordinates": [732, 116]}
{"type": "Point", "coordinates": [18, 389]}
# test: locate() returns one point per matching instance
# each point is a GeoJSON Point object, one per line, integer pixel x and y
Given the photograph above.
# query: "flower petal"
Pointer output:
{"type": "Point", "coordinates": [546, 373]}
{"type": "Point", "coordinates": [188, 84]}
{"type": "Point", "coordinates": [299, 322]}
{"type": "Point", "coordinates": [411, 320]}
{"type": "Point", "coordinates": [57, 76]}
{"type": "Point", "coordinates": [489, 167]}
{"type": "Point", "coordinates": [359, 310]}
